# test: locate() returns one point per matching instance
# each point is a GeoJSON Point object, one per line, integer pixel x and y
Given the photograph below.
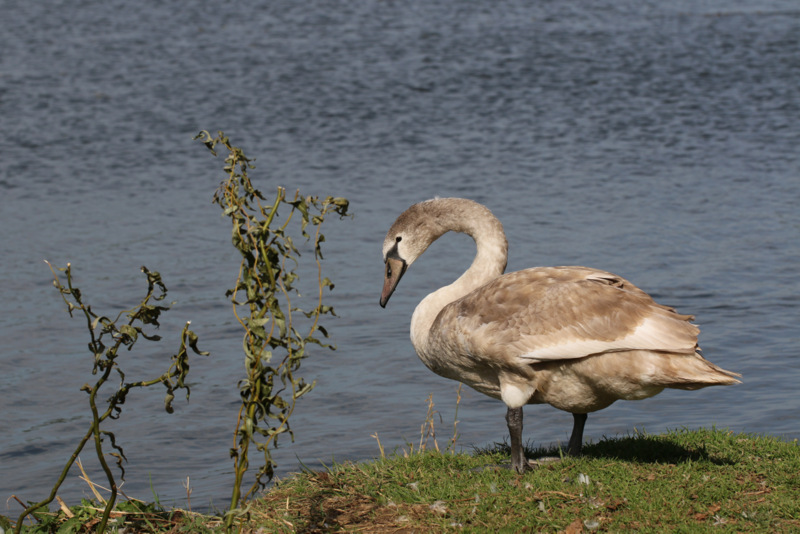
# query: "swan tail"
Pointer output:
{"type": "Point", "coordinates": [695, 372]}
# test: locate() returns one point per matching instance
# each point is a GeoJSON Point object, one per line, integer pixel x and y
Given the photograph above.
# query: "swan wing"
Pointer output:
{"type": "Point", "coordinates": [561, 313]}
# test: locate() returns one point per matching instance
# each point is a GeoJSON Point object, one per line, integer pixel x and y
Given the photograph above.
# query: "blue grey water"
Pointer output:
{"type": "Point", "coordinates": [657, 140]}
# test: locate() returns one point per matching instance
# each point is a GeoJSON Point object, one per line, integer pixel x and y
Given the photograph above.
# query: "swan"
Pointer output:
{"type": "Point", "coordinates": [575, 338]}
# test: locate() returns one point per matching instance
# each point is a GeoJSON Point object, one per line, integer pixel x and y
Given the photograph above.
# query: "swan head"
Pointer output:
{"type": "Point", "coordinates": [395, 269]}
{"type": "Point", "coordinates": [410, 235]}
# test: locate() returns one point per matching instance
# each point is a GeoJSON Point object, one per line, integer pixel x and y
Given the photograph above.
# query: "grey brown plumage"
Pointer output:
{"type": "Point", "coordinates": [573, 337]}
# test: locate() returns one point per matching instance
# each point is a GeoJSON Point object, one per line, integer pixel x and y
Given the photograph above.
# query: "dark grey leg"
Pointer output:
{"type": "Point", "coordinates": [576, 439]}
{"type": "Point", "coordinates": [514, 419]}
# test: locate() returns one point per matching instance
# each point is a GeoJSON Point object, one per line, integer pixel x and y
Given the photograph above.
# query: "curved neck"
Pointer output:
{"type": "Point", "coordinates": [489, 263]}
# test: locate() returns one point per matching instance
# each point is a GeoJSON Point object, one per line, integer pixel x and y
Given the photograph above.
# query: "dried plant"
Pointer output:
{"type": "Point", "coordinates": [107, 337]}
{"type": "Point", "coordinates": [276, 331]}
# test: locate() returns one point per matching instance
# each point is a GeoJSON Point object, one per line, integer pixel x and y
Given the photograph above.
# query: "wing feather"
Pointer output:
{"type": "Point", "coordinates": [560, 313]}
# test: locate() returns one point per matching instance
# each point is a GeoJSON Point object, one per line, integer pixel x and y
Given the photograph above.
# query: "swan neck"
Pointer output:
{"type": "Point", "coordinates": [489, 263]}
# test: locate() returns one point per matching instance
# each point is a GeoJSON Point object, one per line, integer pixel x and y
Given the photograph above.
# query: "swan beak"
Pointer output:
{"type": "Point", "coordinates": [395, 268]}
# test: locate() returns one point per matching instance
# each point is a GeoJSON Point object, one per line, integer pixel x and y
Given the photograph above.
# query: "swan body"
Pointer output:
{"type": "Point", "coordinates": [576, 338]}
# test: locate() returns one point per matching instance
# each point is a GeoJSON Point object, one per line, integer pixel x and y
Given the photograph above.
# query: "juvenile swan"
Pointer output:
{"type": "Point", "coordinates": [573, 337]}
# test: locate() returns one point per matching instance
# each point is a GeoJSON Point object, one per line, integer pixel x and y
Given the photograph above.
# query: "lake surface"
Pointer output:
{"type": "Point", "coordinates": [656, 140]}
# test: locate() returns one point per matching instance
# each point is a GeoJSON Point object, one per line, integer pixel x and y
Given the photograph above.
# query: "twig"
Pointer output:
{"type": "Point", "coordinates": [559, 493]}
{"type": "Point", "coordinates": [64, 507]}
{"type": "Point", "coordinates": [92, 485]}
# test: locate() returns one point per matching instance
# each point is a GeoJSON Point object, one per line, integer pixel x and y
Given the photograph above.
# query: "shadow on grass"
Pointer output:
{"type": "Point", "coordinates": [651, 449]}
{"type": "Point", "coordinates": [640, 448]}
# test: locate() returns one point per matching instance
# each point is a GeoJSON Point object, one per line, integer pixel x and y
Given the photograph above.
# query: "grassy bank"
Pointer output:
{"type": "Point", "coordinates": [685, 481]}
{"type": "Point", "coordinates": [688, 481]}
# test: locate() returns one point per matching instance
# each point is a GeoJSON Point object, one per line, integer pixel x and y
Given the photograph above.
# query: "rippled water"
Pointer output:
{"type": "Point", "coordinates": [656, 141]}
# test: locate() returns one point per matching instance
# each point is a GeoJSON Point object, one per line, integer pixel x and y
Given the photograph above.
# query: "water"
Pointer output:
{"type": "Point", "coordinates": [655, 141]}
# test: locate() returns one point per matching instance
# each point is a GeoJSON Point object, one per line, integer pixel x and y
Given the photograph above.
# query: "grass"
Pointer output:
{"type": "Point", "coordinates": [682, 481]}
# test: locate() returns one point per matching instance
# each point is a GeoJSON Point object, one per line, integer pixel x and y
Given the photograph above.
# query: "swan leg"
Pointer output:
{"type": "Point", "coordinates": [514, 419]}
{"type": "Point", "coordinates": [576, 439]}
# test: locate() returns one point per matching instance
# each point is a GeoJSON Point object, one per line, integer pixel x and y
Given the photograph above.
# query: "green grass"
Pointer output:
{"type": "Point", "coordinates": [129, 516]}
{"type": "Point", "coordinates": [682, 481]}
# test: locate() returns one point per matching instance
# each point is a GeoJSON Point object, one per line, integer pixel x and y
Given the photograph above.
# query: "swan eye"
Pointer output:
{"type": "Point", "coordinates": [398, 239]}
